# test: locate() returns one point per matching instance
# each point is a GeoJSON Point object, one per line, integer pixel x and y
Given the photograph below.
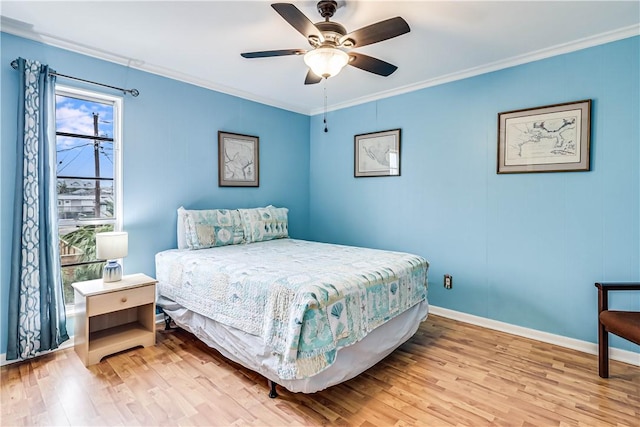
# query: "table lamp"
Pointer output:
{"type": "Point", "coordinates": [111, 246]}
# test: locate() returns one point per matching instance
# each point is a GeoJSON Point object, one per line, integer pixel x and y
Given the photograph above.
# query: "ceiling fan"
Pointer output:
{"type": "Point", "coordinates": [329, 41]}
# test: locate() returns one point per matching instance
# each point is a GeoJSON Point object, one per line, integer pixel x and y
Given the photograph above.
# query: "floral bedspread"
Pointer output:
{"type": "Point", "coordinates": [305, 299]}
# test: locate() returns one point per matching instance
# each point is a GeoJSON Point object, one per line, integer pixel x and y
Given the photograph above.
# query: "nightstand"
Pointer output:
{"type": "Point", "coordinates": [115, 316]}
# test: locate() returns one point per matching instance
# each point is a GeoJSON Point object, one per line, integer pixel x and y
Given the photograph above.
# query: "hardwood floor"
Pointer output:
{"type": "Point", "coordinates": [449, 373]}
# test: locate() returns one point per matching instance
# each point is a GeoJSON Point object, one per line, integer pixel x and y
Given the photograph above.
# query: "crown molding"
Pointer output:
{"type": "Point", "coordinates": [587, 42]}
{"type": "Point", "coordinates": [26, 31]}
{"type": "Point", "coordinates": [20, 29]}
{"type": "Point", "coordinates": [206, 84]}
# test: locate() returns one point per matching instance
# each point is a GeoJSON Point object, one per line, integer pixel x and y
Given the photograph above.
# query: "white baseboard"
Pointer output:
{"type": "Point", "coordinates": [65, 345]}
{"type": "Point", "coordinates": [618, 354]}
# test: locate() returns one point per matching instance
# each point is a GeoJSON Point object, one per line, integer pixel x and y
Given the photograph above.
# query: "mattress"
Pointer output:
{"type": "Point", "coordinates": [302, 300]}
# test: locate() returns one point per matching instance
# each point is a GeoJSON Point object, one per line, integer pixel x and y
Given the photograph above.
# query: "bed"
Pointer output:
{"type": "Point", "coordinates": [305, 315]}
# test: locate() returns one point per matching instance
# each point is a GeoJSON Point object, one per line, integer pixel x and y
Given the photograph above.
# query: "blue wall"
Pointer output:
{"type": "Point", "coordinates": [524, 249]}
{"type": "Point", "coordinates": [169, 153]}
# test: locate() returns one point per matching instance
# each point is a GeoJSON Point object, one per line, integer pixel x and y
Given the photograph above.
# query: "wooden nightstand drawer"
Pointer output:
{"type": "Point", "coordinates": [120, 300]}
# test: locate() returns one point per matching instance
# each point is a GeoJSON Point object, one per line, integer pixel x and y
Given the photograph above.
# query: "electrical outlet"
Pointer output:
{"type": "Point", "coordinates": [448, 281]}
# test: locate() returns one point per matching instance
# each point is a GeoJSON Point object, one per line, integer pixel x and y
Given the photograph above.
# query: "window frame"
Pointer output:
{"type": "Point", "coordinates": [118, 113]}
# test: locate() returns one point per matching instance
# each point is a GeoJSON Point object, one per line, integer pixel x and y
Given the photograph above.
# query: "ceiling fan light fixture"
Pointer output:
{"type": "Point", "coordinates": [326, 61]}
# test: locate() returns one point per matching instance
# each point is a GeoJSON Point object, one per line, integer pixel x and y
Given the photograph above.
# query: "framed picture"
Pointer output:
{"type": "Point", "coordinates": [238, 160]}
{"type": "Point", "coordinates": [554, 138]}
{"type": "Point", "coordinates": [377, 154]}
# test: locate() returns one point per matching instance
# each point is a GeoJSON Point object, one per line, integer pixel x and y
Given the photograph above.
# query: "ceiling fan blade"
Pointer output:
{"type": "Point", "coordinates": [269, 53]}
{"type": "Point", "coordinates": [374, 33]}
{"type": "Point", "coordinates": [371, 64]}
{"type": "Point", "coordinates": [297, 20]}
{"type": "Point", "coordinates": [311, 78]}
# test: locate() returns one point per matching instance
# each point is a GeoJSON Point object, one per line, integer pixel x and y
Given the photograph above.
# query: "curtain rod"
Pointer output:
{"type": "Point", "coordinates": [133, 92]}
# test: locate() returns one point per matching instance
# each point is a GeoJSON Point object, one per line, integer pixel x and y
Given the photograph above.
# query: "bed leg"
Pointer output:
{"type": "Point", "coordinates": [167, 321]}
{"type": "Point", "coordinates": [273, 393]}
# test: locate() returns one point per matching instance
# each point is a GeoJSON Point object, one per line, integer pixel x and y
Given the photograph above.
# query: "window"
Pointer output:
{"type": "Point", "coordinates": [89, 179]}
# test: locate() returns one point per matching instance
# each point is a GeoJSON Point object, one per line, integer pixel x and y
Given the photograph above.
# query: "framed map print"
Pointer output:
{"type": "Point", "coordinates": [377, 154]}
{"type": "Point", "coordinates": [238, 160]}
{"type": "Point", "coordinates": [555, 138]}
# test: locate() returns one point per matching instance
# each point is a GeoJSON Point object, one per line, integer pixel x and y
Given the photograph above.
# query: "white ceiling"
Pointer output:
{"type": "Point", "coordinates": [200, 41]}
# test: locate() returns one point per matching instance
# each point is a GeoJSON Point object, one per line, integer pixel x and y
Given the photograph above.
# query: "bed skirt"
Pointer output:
{"type": "Point", "coordinates": [251, 352]}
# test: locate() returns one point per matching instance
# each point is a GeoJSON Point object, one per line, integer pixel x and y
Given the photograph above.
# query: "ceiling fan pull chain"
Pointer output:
{"type": "Point", "coordinates": [325, 106]}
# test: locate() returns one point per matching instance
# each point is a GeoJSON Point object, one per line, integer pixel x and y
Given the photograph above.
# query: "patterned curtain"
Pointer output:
{"type": "Point", "coordinates": [37, 318]}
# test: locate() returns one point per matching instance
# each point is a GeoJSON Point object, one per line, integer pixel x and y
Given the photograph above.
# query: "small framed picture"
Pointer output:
{"type": "Point", "coordinates": [238, 160]}
{"type": "Point", "coordinates": [555, 138]}
{"type": "Point", "coordinates": [377, 154]}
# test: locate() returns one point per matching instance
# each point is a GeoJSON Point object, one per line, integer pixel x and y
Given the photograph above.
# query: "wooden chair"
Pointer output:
{"type": "Point", "coordinates": [625, 324]}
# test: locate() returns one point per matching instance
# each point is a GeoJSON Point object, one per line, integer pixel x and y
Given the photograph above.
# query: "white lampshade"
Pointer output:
{"type": "Point", "coordinates": [326, 61]}
{"type": "Point", "coordinates": [112, 245]}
